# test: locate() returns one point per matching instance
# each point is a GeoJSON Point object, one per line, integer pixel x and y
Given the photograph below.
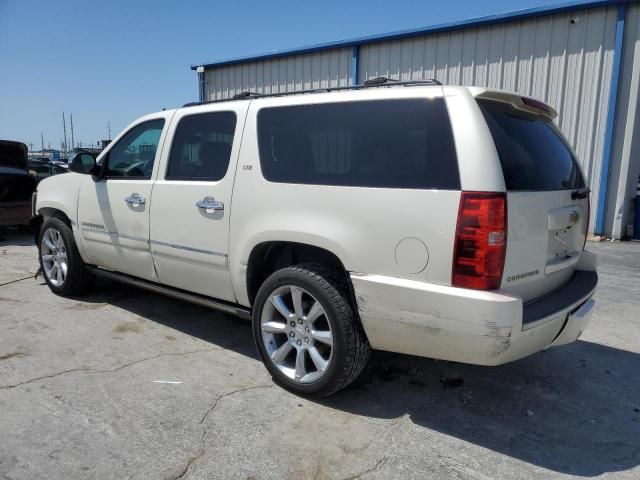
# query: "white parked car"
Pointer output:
{"type": "Point", "coordinates": [445, 222]}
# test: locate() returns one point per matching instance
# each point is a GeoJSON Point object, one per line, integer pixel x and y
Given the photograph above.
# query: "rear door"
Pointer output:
{"type": "Point", "coordinates": [547, 203]}
{"type": "Point", "coordinates": [191, 202]}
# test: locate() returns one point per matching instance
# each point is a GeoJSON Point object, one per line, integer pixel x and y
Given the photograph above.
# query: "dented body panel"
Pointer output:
{"type": "Point", "coordinates": [468, 326]}
{"type": "Point", "coordinates": [395, 240]}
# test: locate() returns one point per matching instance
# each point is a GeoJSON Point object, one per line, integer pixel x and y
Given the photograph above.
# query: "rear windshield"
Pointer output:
{"type": "Point", "coordinates": [533, 153]}
{"type": "Point", "coordinates": [405, 143]}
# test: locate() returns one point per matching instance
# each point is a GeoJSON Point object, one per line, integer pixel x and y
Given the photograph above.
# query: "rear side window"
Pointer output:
{"type": "Point", "coordinates": [533, 153]}
{"type": "Point", "coordinates": [403, 143]}
{"type": "Point", "coordinates": [201, 147]}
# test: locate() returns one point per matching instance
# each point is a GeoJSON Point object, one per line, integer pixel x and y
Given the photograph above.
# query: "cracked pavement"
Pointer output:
{"type": "Point", "coordinates": [127, 384]}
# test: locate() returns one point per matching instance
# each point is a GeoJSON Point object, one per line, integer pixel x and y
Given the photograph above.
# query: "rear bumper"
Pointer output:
{"type": "Point", "coordinates": [468, 326]}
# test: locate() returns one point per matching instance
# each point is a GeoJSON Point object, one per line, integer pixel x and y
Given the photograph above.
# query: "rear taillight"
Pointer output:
{"type": "Point", "coordinates": [481, 241]}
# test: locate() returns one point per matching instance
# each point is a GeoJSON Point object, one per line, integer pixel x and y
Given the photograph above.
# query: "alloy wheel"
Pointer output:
{"type": "Point", "coordinates": [296, 334]}
{"type": "Point", "coordinates": [54, 257]}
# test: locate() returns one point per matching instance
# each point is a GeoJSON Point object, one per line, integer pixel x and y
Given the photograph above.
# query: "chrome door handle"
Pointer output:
{"type": "Point", "coordinates": [209, 204]}
{"type": "Point", "coordinates": [135, 200]}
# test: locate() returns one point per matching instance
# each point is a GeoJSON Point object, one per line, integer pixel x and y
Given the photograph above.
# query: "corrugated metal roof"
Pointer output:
{"type": "Point", "coordinates": [449, 26]}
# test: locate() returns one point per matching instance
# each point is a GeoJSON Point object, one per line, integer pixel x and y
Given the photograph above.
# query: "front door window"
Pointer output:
{"type": "Point", "coordinates": [134, 154]}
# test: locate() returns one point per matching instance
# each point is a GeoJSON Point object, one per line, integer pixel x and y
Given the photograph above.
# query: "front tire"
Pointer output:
{"type": "Point", "coordinates": [307, 331]}
{"type": "Point", "coordinates": [60, 262]}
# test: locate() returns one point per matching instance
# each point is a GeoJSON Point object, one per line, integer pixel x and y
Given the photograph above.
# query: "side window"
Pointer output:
{"type": "Point", "coordinates": [201, 147]}
{"type": "Point", "coordinates": [134, 154]}
{"type": "Point", "coordinates": [404, 143]}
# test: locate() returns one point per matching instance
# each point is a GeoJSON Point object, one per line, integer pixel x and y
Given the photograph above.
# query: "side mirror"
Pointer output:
{"type": "Point", "coordinates": [83, 162]}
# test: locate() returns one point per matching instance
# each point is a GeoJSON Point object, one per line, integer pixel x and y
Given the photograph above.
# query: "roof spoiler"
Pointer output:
{"type": "Point", "coordinates": [527, 104]}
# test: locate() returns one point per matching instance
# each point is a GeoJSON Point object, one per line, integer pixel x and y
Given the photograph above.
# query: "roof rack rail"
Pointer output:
{"type": "Point", "coordinates": [371, 83]}
{"type": "Point", "coordinates": [247, 94]}
{"type": "Point", "coordinates": [379, 81]}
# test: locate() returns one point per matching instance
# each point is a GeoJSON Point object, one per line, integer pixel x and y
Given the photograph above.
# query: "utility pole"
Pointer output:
{"type": "Point", "coordinates": [108, 130]}
{"type": "Point", "coordinates": [64, 127]}
{"type": "Point", "coordinates": [31, 147]}
{"type": "Point", "coordinates": [73, 143]}
{"type": "Point", "coordinates": [42, 142]}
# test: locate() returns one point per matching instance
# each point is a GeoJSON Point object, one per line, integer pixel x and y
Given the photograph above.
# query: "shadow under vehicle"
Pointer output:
{"type": "Point", "coordinates": [16, 184]}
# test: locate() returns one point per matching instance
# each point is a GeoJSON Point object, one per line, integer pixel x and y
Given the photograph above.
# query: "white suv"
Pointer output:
{"type": "Point", "coordinates": [445, 222]}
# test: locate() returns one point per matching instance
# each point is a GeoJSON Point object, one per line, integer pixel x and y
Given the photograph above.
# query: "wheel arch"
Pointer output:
{"type": "Point", "coordinates": [43, 214]}
{"type": "Point", "coordinates": [269, 256]}
{"type": "Point", "coordinates": [72, 276]}
{"type": "Point", "coordinates": [48, 212]}
{"type": "Point", "coordinates": [58, 196]}
{"type": "Point", "coordinates": [53, 211]}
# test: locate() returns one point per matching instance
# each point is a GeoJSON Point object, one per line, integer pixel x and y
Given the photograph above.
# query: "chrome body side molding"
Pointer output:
{"type": "Point", "coordinates": [189, 249]}
{"type": "Point", "coordinates": [155, 242]}
{"type": "Point", "coordinates": [113, 234]}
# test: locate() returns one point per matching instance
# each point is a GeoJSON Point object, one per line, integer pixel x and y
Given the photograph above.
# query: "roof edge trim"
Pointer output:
{"type": "Point", "coordinates": [415, 32]}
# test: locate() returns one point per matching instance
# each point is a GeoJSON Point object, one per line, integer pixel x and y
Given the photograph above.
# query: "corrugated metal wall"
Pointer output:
{"type": "Point", "coordinates": [330, 68]}
{"type": "Point", "coordinates": [568, 65]}
{"type": "Point", "coordinates": [564, 59]}
{"type": "Point", "coordinates": [625, 164]}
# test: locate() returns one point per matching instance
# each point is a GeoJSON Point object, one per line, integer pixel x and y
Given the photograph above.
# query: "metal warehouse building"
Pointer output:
{"type": "Point", "coordinates": [583, 58]}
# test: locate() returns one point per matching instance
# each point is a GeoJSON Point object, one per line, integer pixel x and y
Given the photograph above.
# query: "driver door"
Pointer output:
{"type": "Point", "coordinates": [113, 212]}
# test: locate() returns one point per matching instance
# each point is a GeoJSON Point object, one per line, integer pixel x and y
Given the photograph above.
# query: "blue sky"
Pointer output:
{"type": "Point", "coordinates": [112, 61]}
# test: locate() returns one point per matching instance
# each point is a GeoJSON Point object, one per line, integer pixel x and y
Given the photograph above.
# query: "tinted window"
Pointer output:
{"type": "Point", "coordinates": [41, 169]}
{"type": "Point", "coordinates": [135, 152]}
{"type": "Point", "coordinates": [533, 153]}
{"type": "Point", "coordinates": [202, 147]}
{"type": "Point", "coordinates": [382, 143]}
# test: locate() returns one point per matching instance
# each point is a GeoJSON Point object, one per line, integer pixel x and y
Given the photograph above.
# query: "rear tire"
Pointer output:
{"type": "Point", "coordinates": [60, 262]}
{"type": "Point", "coordinates": [307, 331]}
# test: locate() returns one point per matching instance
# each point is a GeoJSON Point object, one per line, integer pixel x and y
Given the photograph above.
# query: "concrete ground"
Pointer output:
{"type": "Point", "coordinates": [127, 384]}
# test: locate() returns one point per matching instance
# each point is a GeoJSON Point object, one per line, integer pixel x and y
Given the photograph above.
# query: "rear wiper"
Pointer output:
{"type": "Point", "coordinates": [581, 193]}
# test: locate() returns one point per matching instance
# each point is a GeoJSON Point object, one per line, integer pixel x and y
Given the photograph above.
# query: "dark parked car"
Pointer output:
{"type": "Point", "coordinates": [43, 168]}
{"type": "Point", "coordinates": [16, 184]}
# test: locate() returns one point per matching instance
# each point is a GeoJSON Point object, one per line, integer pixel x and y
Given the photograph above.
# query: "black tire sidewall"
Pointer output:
{"type": "Point", "coordinates": [300, 276]}
{"type": "Point", "coordinates": [72, 255]}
